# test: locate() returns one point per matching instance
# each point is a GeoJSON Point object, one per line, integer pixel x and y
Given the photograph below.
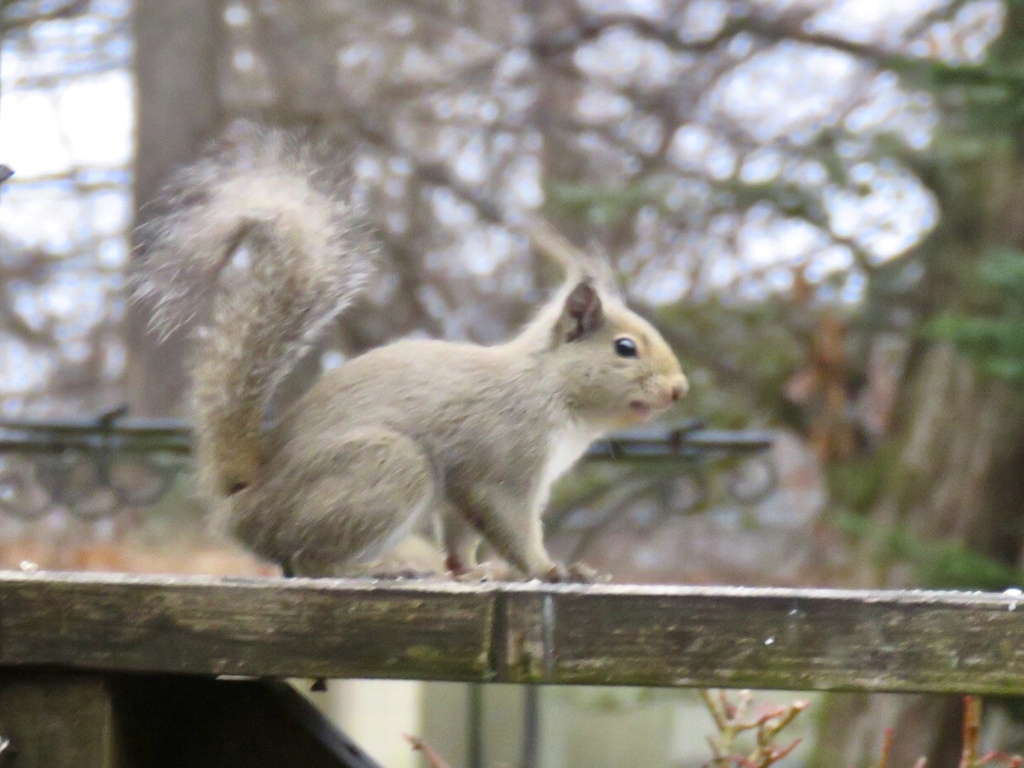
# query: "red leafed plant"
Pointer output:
{"type": "Point", "coordinates": [738, 714]}
{"type": "Point", "coordinates": [970, 758]}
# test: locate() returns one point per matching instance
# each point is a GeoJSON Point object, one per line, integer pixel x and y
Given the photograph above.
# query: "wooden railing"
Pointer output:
{"type": "Point", "coordinates": [519, 633]}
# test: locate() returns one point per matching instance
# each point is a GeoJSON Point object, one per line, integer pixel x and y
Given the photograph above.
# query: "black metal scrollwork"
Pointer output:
{"type": "Point", "coordinates": [92, 467]}
{"type": "Point", "coordinates": [95, 467]}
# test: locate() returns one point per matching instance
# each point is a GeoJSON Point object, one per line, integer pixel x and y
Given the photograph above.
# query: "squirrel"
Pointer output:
{"type": "Point", "coordinates": [473, 435]}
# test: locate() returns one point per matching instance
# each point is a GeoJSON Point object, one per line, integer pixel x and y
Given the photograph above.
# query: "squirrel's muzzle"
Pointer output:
{"type": "Point", "coordinates": [680, 388]}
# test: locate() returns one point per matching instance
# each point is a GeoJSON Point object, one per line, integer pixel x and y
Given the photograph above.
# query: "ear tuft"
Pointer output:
{"type": "Point", "coordinates": [583, 311]}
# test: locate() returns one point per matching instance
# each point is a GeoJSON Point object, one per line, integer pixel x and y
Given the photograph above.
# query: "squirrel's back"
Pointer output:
{"type": "Point", "coordinates": [456, 399]}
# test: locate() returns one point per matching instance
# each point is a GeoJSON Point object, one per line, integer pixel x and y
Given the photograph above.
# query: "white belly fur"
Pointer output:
{"type": "Point", "coordinates": [564, 449]}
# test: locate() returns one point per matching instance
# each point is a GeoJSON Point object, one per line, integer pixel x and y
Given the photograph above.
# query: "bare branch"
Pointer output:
{"type": "Point", "coordinates": [65, 11]}
{"type": "Point", "coordinates": [771, 29]}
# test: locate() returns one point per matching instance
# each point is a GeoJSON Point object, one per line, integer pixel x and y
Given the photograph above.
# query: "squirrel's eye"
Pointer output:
{"type": "Point", "coordinates": [625, 347]}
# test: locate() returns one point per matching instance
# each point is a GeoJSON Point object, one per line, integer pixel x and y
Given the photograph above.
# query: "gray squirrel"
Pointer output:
{"type": "Point", "coordinates": [472, 435]}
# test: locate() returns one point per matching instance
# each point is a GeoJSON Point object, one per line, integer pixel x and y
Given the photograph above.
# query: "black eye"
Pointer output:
{"type": "Point", "coordinates": [625, 347]}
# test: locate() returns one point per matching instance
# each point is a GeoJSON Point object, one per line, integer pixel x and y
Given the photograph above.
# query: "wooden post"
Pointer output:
{"type": "Point", "coordinates": [57, 720]}
{"type": "Point", "coordinates": [68, 720]}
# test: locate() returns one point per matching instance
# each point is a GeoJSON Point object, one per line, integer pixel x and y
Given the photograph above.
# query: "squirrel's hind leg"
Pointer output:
{"type": "Point", "coordinates": [358, 506]}
{"type": "Point", "coordinates": [461, 541]}
{"type": "Point", "coordinates": [462, 545]}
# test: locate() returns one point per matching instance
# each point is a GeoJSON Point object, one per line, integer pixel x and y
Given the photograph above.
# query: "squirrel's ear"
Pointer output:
{"type": "Point", "coordinates": [582, 312]}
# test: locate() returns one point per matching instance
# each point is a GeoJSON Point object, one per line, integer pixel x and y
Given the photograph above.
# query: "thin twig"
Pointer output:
{"type": "Point", "coordinates": [970, 731]}
{"type": "Point", "coordinates": [883, 759]}
{"type": "Point", "coordinates": [433, 759]}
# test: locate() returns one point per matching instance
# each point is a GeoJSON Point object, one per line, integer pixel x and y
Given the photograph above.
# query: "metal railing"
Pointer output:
{"type": "Point", "coordinates": [93, 466]}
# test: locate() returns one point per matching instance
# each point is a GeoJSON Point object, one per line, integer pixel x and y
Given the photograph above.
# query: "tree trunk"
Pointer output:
{"type": "Point", "coordinates": [177, 54]}
{"type": "Point", "coordinates": [956, 447]}
{"type": "Point", "coordinates": [960, 438]}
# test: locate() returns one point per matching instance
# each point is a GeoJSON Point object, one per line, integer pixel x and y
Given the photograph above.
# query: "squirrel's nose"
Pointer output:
{"type": "Point", "coordinates": [680, 389]}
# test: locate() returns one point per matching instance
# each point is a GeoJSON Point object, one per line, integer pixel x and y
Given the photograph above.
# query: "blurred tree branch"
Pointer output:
{"type": "Point", "coordinates": [18, 14]}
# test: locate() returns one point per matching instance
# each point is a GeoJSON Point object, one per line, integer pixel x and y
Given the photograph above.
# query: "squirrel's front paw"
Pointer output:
{"type": "Point", "coordinates": [577, 573]}
{"type": "Point", "coordinates": [584, 574]}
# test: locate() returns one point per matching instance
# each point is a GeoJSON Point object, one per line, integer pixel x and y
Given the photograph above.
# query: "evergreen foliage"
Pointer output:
{"type": "Point", "coordinates": [991, 332]}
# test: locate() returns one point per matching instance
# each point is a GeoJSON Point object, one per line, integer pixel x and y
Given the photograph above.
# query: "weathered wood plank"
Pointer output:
{"type": "Point", "coordinates": [265, 627]}
{"type": "Point", "coordinates": [780, 638]}
{"type": "Point", "coordinates": [666, 636]}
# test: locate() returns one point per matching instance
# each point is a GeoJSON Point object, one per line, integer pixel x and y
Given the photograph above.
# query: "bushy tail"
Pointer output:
{"type": "Point", "coordinates": [258, 236]}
